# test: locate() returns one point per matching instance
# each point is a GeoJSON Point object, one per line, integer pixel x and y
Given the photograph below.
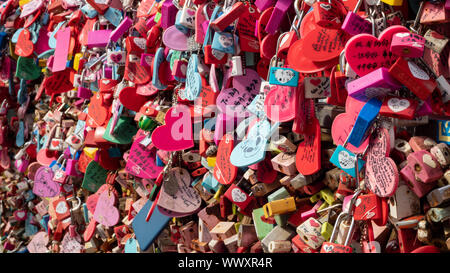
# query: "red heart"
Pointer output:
{"type": "Point", "coordinates": [24, 46]}
{"type": "Point", "coordinates": [169, 137]}
{"type": "Point", "coordinates": [98, 113]}
{"type": "Point", "coordinates": [55, 143]}
{"type": "Point", "coordinates": [315, 82]}
{"type": "Point", "coordinates": [134, 72]}
{"type": "Point", "coordinates": [131, 100]}
{"type": "Point", "coordinates": [323, 44]}
{"type": "Point", "coordinates": [58, 83]}
{"type": "Point", "coordinates": [224, 171]}
{"type": "Point", "coordinates": [313, 223]}
{"type": "Point", "coordinates": [365, 53]}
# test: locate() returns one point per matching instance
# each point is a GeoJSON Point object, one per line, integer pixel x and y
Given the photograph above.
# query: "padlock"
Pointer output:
{"type": "Point", "coordinates": [417, 186]}
{"type": "Point", "coordinates": [398, 107]}
{"type": "Point", "coordinates": [413, 77]}
{"type": "Point", "coordinates": [426, 167]}
{"type": "Point", "coordinates": [408, 45]}
{"type": "Point", "coordinates": [403, 203]}
{"type": "Point", "coordinates": [435, 41]}
{"type": "Point", "coordinates": [327, 14]}
{"type": "Point", "coordinates": [377, 83]}
{"type": "Point", "coordinates": [439, 196]}
{"type": "Point", "coordinates": [331, 247]}
{"type": "Point", "coordinates": [280, 206]}
{"type": "Point", "coordinates": [367, 207]}
{"type": "Point", "coordinates": [441, 152]}
{"type": "Point", "coordinates": [354, 24]}
{"type": "Point", "coordinates": [310, 233]}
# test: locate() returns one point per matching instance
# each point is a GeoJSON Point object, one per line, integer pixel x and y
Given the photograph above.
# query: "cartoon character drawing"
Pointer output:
{"type": "Point", "coordinates": [283, 75]}
{"type": "Point", "coordinates": [226, 40]}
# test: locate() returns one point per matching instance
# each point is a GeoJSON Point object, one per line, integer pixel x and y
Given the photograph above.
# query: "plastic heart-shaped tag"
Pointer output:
{"type": "Point", "coordinates": [26, 69]}
{"type": "Point", "coordinates": [105, 211]}
{"type": "Point", "coordinates": [381, 171]}
{"type": "Point", "coordinates": [24, 46]}
{"type": "Point", "coordinates": [280, 103]}
{"type": "Point", "coordinates": [176, 134]}
{"type": "Point", "coordinates": [98, 112]}
{"type": "Point", "coordinates": [253, 149]}
{"type": "Point", "coordinates": [186, 199]}
{"type": "Point", "coordinates": [94, 177]}
{"type": "Point", "coordinates": [193, 80]}
{"type": "Point", "coordinates": [131, 100]}
{"type": "Point", "coordinates": [360, 47]}
{"type": "Point", "coordinates": [71, 244]}
{"type": "Point", "coordinates": [323, 44]}
{"type": "Point", "coordinates": [38, 243]}
{"type": "Point", "coordinates": [141, 160]}
{"type": "Point", "coordinates": [44, 186]}
{"type": "Point", "coordinates": [224, 171]}
{"type": "Point", "coordinates": [123, 132]}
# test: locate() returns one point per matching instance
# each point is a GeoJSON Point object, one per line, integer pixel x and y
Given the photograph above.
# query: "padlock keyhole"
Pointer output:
{"type": "Point", "coordinates": [417, 168]}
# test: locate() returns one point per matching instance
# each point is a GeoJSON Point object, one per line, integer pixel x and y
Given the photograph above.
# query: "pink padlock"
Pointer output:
{"type": "Point", "coordinates": [21, 164]}
{"type": "Point", "coordinates": [420, 143]}
{"type": "Point", "coordinates": [84, 93]}
{"type": "Point", "coordinates": [179, 68]}
{"type": "Point", "coordinates": [72, 168]}
{"type": "Point", "coordinates": [408, 45]}
{"type": "Point", "coordinates": [273, 25]}
{"type": "Point", "coordinates": [355, 24]}
{"type": "Point", "coordinates": [124, 25]}
{"type": "Point", "coordinates": [419, 188]}
{"type": "Point", "coordinates": [168, 14]}
{"type": "Point", "coordinates": [375, 84]}
{"type": "Point", "coordinates": [98, 38]}
{"type": "Point", "coordinates": [426, 168]}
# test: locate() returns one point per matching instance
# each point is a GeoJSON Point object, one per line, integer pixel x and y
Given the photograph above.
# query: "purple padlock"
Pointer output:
{"type": "Point", "coordinates": [375, 84]}
{"type": "Point", "coordinates": [121, 29]}
{"type": "Point", "coordinates": [277, 16]}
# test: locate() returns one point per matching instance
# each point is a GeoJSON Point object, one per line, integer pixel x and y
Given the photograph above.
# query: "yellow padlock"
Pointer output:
{"type": "Point", "coordinates": [327, 196]}
{"type": "Point", "coordinates": [393, 2]}
{"type": "Point", "coordinates": [211, 161]}
{"type": "Point", "coordinates": [326, 230]}
{"type": "Point", "coordinates": [90, 151]}
{"type": "Point", "coordinates": [76, 61]}
{"type": "Point", "coordinates": [280, 206]}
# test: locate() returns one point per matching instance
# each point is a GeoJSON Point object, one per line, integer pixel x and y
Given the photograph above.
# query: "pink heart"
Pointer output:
{"type": "Point", "coordinates": [44, 186]}
{"type": "Point", "coordinates": [313, 223]}
{"type": "Point", "coordinates": [186, 200]}
{"type": "Point", "coordinates": [176, 134]}
{"type": "Point", "coordinates": [280, 103]}
{"type": "Point", "coordinates": [341, 128]}
{"type": "Point", "coordinates": [365, 53]}
{"type": "Point", "coordinates": [105, 212]}
{"type": "Point", "coordinates": [381, 171]}
{"type": "Point", "coordinates": [141, 161]}
{"type": "Point", "coordinates": [38, 243]}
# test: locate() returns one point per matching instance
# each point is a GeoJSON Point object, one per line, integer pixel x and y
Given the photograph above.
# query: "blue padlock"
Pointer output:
{"type": "Point", "coordinates": [364, 121]}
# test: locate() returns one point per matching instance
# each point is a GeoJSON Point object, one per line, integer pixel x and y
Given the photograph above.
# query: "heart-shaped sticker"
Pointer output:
{"type": "Point", "coordinates": [238, 196]}
{"type": "Point", "coordinates": [427, 159]}
{"type": "Point", "coordinates": [105, 211]}
{"type": "Point", "coordinates": [176, 134]}
{"type": "Point", "coordinates": [398, 104]}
